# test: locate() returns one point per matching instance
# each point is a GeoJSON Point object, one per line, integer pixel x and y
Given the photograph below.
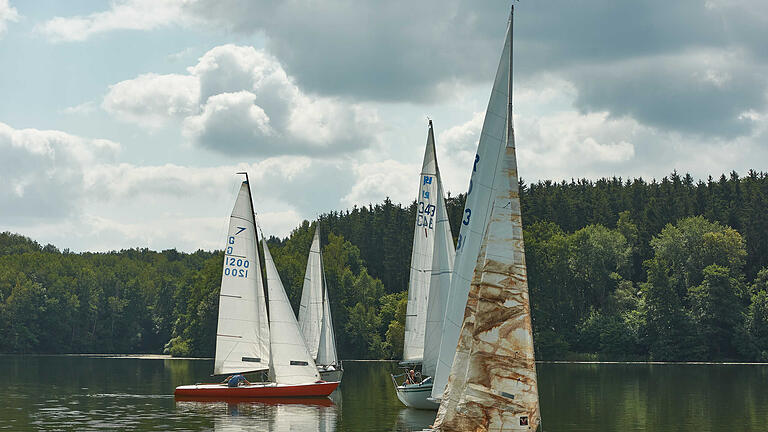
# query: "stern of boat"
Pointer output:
{"type": "Point", "coordinates": [415, 395]}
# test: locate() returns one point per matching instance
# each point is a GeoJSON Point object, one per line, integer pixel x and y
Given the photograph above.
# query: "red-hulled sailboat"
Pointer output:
{"type": "Point", "coordinates": [246, 339]}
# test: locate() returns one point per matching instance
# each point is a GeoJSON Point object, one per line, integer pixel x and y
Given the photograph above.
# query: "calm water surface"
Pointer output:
{"type": "Point", "coordinates": [86, 394]}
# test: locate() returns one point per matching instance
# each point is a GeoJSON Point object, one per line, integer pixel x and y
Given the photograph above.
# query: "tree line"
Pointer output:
{"type": "Point", "coordinates": [617, 269]}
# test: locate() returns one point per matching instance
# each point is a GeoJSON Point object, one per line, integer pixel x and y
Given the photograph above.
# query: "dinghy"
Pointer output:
{"type": "Point", "coordinates": [430, 278]}
{"type": "Point", "coordinates": [487, 336]}
{"type": "Point", "coordinates": [246, 339]}
{"type": "Point", "coordinates": [315, 315]}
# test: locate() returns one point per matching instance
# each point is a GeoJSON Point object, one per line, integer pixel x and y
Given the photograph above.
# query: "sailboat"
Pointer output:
{"type": "Point", "coordinates": [488, 345]}
{"type": "Point", "coordinates": [431, 267]}
{"type": "Point", "coordinates": [247, 340]}
{"type": "Point", "coordinates": [315, 315]}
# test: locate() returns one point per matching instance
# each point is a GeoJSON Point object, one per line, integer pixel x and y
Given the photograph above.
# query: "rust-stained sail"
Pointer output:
{"type": "Point", "coordinates": [492, 386]}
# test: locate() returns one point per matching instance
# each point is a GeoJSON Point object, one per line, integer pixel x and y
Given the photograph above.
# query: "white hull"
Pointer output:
{"type": "Point", "coordinates": [331, 376]}
{"type": "Point", "coordinates": [415, 396]}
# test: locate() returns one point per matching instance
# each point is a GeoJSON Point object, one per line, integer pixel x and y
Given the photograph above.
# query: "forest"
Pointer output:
{"type": "Point", "coordinates": [669, 270]}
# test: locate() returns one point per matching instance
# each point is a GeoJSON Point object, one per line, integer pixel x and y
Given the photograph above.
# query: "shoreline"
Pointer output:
{"type": "Point", "coordinates": [169, 357]}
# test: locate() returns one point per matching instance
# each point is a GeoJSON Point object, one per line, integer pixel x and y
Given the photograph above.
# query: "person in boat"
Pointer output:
{"type": "Point", "coordinates": [235, 380]}
{"type": "Point", "coordinates": [410, 377]}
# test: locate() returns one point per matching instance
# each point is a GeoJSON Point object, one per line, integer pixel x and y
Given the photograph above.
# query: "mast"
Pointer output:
{"type": "Point", "coordinates": [493, 384]}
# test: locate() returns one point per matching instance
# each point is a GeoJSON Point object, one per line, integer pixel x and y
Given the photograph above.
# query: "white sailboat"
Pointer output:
{"type": "Point", "coordinates": [246, 339]}
{"type": "Point", "coordinates": [315, 315]}
{"type": "Point", "coordinates": [492, 383]}
{"type": "Point", "coordinates": [431, 266]}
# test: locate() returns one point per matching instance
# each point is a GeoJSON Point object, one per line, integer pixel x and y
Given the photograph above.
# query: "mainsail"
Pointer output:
{"type": "Point", "coordinates": [311, 308]}
{"type": "Point", "coordinates": [492, 385]}
{"type": "Point", "coordinates": [242, 335]}
{"type": "Point", "coordinates": [440, 282]}
{"type": "Point", "coordinates": [474, 220]}
{"type": "Point", "coordinates": [421, 256]}
{"type": "Point", "coordinates": [291, 361]}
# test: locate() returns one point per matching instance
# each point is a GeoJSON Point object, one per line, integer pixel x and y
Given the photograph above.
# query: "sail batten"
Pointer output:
{"type": "Point", "coordinates": [242, 336]}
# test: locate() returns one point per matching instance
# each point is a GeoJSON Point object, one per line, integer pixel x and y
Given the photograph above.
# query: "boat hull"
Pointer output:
{"type": "Point", "coordinates": [416, 396]}
{"type": "Point", "coordinates": [331, 376]}
{"type": "Point", "coordinates": [314, 401]}
{"type": "Point", "coordinates": [269, 390]}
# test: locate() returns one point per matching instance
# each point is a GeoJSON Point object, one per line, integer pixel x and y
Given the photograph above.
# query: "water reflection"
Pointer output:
{"type": "Point", "coordinates": [411, 419]}
{"type": "Point", "coordinates": [96, 394]}
{"type": "Point", "coordinates": [273, 415]}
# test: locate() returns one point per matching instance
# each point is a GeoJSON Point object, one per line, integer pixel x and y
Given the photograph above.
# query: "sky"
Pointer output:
{"type": "Point", "coordinates": [123, 123]}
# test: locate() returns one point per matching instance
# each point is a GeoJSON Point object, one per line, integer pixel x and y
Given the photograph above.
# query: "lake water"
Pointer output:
{"type": "Point", "coordinates": [87, 393]}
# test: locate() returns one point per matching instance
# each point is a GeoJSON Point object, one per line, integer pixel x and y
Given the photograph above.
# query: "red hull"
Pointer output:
{"type": "Point", "coordinates": [313, 401]}
{"type": "Point", "coordinates": [258, 391]}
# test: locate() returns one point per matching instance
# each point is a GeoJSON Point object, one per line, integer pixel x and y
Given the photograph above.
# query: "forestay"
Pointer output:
{"type": "Point", "coordinates": [421, 256]}
{"type": "Point", "coordinates": [291, 361]}
{"type": "Point", "coordinates": [474, 220]}
{"type": "Point", "coordinates": [311, 308]}
{"type": "Point", "coordinates": [242, 335]}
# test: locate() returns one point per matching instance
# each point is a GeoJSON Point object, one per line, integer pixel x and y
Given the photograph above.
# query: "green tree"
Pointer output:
{"type": "Point", "coordinates": [718, 312]}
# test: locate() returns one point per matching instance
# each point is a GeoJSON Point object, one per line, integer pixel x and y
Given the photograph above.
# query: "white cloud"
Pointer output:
{"type": "Point", "coordinates": [151, 100]}
{"type": "Point", "coordinates": [83, 108]}
{"type": "Point", "coordinates": [230, 120]}
{"type": "Point", "coordinates": [239, 100]}
{"type": "Point", "coordinates": [123, 15]}
{"type": "Point", "coordinates": [7, 14]}
{"type": "Point", "coordinates": [378, 180]}
{"type": "Point", "coordinates": [567, 143]}
{"type": "Point", "coordinates": [42, 171]}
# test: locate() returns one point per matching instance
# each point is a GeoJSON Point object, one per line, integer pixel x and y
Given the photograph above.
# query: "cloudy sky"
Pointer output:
{"type": "Point", "coordinates": [122, 123]}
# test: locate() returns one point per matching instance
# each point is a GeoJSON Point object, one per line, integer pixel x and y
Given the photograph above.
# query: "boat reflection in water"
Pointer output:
{"type": "Point", "coordinates": [274, 415]}
{"type": "Point", "coordinates": [411, 419]}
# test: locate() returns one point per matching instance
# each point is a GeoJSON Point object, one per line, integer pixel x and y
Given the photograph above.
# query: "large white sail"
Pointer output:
{"type": "Point", "coordinates": [440, 282]}
{"type": "Point", "coordinates": [474, 220]}
{"type": "Point", "coordinates": [242, 334]}
{"type": "Point", "coordinates": [493, 385]}
{"type": "Point", "coordinates": [326, 352]}
{"type": "Point", "coordinates": [311, 308]}
{"type": "Point", "coordinates": [421, 256]}
{"type": "Point", "coordinates": [291, 361]}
